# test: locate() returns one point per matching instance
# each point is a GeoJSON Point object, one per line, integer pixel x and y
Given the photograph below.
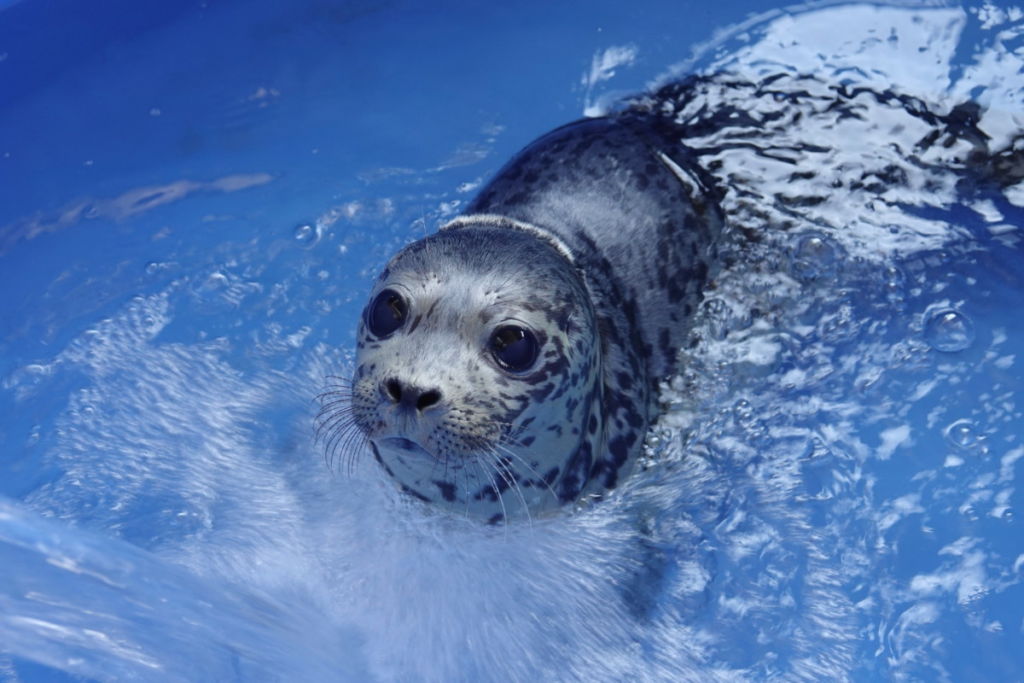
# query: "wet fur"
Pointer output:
{"type": "Point", "coordinates": [608, 272]}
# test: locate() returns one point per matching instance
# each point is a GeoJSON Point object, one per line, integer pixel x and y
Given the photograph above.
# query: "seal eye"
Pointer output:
{"type": "Point", "coordinates": [386, 314]}
{"type": "Point", "coordinates": [515, 348]}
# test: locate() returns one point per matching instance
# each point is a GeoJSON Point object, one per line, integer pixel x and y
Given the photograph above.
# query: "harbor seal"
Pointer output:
{"type": "Point", "coordinates": [507, 365]}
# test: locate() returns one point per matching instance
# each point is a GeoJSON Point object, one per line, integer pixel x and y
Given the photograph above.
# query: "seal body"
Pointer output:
{"type": "Point", "coordinates": [507, 365]}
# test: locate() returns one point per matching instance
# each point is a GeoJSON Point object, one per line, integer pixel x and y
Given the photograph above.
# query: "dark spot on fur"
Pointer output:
{"type": "Point", "coordinates": [625, 381]}
{"type": "Point", "coordinates": [576, 473]}
{"type": "Point", "coordinates": [414, 493]}
{"type": "Point", "coordinates": [380, 461]}
{"type": "Point", "coordinates": [447, 490]}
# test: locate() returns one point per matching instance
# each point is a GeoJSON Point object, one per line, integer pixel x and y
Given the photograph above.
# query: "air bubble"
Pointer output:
{"type": "Point", "coordinates": [743, 408]}
{"type": "Point", "coordinates": [744, 413]}
{"type": "Point", "coordinates": [306, 234]}
{"type": "Point", "coordinates": [895, 284]}
{"type": "Point", "coordinates": [948, 331]}
{"type": "Point", "coordinates": [963, 434]}
{"type": "Point", "coordinates": [211, 293]}
{"type": "Point", "coordinates": [215, 283]}
{"type": "Point", "coordinates": [814, 258]}
{"type": "Point", "coordinates": [155, 267]}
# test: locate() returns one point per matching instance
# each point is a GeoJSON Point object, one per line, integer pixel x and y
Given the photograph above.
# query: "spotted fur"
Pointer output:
{"type": "Point", "coordinates": [597, 238]}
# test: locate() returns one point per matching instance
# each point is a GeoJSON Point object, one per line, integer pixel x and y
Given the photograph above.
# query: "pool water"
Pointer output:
{"type": "Point", "coordinates": [196, 199]}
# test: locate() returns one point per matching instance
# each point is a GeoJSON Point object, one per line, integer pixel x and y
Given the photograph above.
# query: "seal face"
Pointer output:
{"type": "Point", "coordinates": [506, 364]}
{"type": "Point", "coordinates": [477, 372]}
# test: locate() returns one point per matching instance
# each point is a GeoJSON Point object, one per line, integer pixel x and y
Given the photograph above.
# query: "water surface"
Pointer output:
{"type": "Point", "coordinates": [194, 207]}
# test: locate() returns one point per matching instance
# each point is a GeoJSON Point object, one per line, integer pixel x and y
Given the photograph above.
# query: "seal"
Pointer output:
{"type": "Point", "coordinates": [507, 365]}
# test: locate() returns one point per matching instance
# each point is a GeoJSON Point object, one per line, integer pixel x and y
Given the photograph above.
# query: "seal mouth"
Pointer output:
{"type": "Point", "coordinates": [408, 445]}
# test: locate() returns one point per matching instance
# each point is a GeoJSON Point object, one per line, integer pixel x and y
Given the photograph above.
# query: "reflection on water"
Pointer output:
{"type": "Point", "coordinates": [831, 490]}
{"type": "Point", "coordinates": [124, 206]}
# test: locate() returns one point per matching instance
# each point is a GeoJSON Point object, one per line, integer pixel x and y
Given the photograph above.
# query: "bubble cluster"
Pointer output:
{"type": "Point", "coordinates": [895, 284]}
{"type": "Point", "coordinates": [723, 318]}
{"type": "Point", "coordinates": [718, 317]}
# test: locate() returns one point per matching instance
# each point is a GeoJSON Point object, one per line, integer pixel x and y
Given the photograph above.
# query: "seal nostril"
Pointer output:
{"type": "Point", "coordinates": [394, 389]}
{"type": "Point", "coordinates": [427, 399]}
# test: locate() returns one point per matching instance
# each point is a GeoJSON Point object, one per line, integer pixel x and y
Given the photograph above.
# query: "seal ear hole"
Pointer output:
{"type": "Point", "coordinates": [386, 313]}
{"type": "Point", "coordinates": [514, 348]}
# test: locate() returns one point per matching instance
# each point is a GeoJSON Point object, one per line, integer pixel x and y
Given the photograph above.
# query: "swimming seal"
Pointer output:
{"type": "Point", "coordinates": [507, 365]}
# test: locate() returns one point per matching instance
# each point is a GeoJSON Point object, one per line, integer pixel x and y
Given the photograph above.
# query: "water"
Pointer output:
{"type": "Point", "coordinates": [194, 204]}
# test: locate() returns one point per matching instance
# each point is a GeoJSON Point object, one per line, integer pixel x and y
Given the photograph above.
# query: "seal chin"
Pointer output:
{"type": "Point", "coordinates": [404, 445]}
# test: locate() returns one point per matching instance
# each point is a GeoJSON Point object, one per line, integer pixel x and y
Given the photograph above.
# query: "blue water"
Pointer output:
{"type": "Point", "coordinates": [193, 202]}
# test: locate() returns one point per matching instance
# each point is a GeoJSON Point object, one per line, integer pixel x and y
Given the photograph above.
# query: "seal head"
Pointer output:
{"type": "Point", "coordinates": [477, 378]}
{"type": "Point", "coordinates": [507, 365]}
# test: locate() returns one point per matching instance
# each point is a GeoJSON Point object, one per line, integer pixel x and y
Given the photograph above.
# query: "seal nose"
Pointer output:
{"type": "Point", "coordinates": [409, 397]}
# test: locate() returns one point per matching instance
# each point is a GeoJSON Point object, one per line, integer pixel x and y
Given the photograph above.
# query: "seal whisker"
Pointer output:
{"type": "Point", "coordinates": [469, 492]}
{"type": "Point", "coordinates": [325, 427]}
{"type": "Point", "coordinates": [342, 434]}
{"type": "Point", "coordinates": [510, 481]}
{"type": "Point", "coordinates": [540, 477]}
{"type": "Point", "coordinates": [478, 461]}
{"type": "Point", "coordinates": [335, 390]}
{"type": "Point", "coordinates": [331, 390]}
{"type": "Point", "coordinates": [509, 439]}
{"type": "Point", "coordinates": [327, 423]}
{"type": "Point", "coordinates": [327, 405]}
{"type": "Point", "coordinates": [522, 498]}
{"type": "Point", "coordinates": [440, 460]}
{"type": "Point", "coordinates": [334, 435]}
{"type": "Point", "coordinates": [350, 446]}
